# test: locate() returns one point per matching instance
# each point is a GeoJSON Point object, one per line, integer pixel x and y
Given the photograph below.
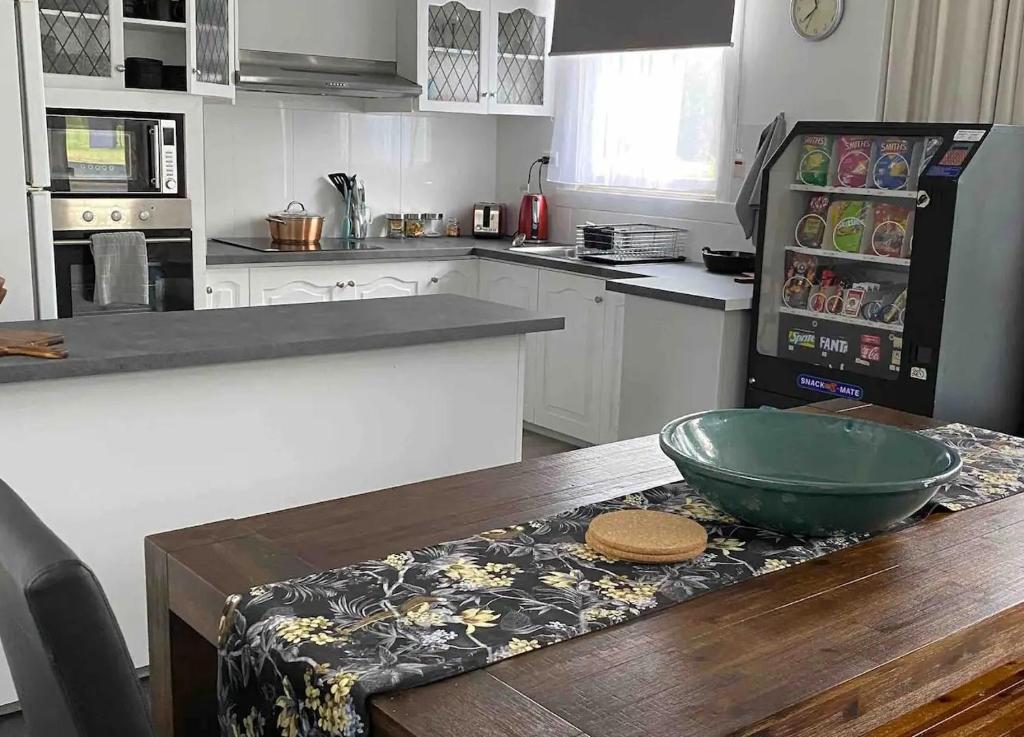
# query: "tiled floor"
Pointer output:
{"type": "Point", "coordinates": [534, 446]}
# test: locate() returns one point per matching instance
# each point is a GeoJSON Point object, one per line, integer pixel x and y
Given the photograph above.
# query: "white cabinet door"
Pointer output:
{"type": "Point", "coordinates": [227, 288]}
{"type": "Point", "coordinates": [452, 277]}
{"type": "Point", "coordinates": [521, 80]}
{"type": "Point", "coordinates": [570, 363]}
{"type": "Point", "coordinates": [373, 281]}
{"type": "Point", "coordinates": [82, 43]}
{"type": "Point", "coordinates": [518, 286]}
{"type": "Point", "coordinates": [289, 285]}
{"type": "Point", "coordinates": [211, 48]}
{"type": "Point", "coordinates": [453, 55]}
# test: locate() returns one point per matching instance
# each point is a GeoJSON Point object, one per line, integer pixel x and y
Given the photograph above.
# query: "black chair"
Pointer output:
{"type": "Point", "coordinates": [70, 665]}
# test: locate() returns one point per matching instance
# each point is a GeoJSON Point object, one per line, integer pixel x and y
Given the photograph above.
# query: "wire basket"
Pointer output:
{"type": "Point", "coordinates": [630, 242]}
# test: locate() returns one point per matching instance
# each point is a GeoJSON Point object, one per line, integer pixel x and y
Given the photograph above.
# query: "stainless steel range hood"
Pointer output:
{"type": "Point", "coordinates": [306, 74]}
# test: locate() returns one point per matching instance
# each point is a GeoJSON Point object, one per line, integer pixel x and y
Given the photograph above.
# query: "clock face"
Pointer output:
{"type": "Point", "coordinates": [816, 19]}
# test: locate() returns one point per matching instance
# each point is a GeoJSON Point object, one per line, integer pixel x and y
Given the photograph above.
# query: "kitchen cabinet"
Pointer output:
{"type": "Point", "coordinates": [518, 286]}
{"type": "Point", "coordinates": [275, 285]}
{"type": "Point", "coordinates": [569, 364]}
{"type": "Point", "coordinates": [227, 288]}
{"type": "Point", "coordinates": [86, 43]}
{"type": "Point", "coordinates": [452, 277]}
{"type": "Point", "coordinates": [478, 56]}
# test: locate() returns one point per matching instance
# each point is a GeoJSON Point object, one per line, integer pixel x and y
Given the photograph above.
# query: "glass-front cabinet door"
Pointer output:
{"type": "Point", "coordinates": [521, 38]}
{"type": "Point", "coordinates": [454, 60]}
{"type": "Point", "coordinates": [82, 44]}
{"type": "Point", "coordinates": [211, 46]}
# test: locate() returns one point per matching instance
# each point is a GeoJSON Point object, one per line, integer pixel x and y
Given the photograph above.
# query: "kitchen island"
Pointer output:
{"type": "Point", "coordinates": [836, 647]}
{"type": "Point", "coordinates": [175, 419]}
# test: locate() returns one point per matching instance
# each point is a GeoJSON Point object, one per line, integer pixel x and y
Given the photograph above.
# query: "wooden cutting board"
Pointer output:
{"type": "Point", "coordinates": [31, 343]}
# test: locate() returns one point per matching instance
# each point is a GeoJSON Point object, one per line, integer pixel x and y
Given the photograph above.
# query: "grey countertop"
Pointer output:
{"type": "Point", "coordinates": [686, 283]}
{"type": "Point", "coordinates": [146, 341]}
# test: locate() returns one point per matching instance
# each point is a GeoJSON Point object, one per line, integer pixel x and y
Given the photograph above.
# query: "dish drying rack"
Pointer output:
{"type": "Point", "coordinates": [630, 243]}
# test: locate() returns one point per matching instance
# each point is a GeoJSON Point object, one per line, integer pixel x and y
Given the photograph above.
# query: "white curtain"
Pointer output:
{"type": "Point", "coordinates": [641, 120]}
{"type": "Point", "coordinates": [956, 61]}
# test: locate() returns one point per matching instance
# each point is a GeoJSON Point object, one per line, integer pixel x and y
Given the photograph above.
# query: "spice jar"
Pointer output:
{"type": "Point", "coordinates": [452, 229]}
{"type": "Point", "coordinates": [413, 225]}
{"type": "Point", "coordinates": [396, 229]}
{"type": "Point", "coordinates": [433, 224]}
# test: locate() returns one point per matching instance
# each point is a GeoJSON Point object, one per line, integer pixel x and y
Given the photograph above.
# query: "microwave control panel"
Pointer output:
{"type": "Point", "coordinates": [169, 157]}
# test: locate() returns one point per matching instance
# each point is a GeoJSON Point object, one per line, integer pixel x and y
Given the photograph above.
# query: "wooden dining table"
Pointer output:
{"type": "Point", "coordinates": [841, 645]}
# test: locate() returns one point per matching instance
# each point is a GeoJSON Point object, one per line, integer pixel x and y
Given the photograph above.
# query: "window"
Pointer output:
{"type": "Point", "coordinates": [643, 121]}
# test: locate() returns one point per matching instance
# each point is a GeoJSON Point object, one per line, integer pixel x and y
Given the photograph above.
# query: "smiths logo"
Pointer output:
{"type": "Point", "coordinates": [802, 339]}
{"type": "Point", "coordinates": [816, 140]}
{"type": "Point", "coordinates": [830, 387]}
{"type": "Point", "coordinates": [833, 345]}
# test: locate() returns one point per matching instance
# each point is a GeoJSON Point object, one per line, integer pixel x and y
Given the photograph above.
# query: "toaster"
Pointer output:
{"type": "Point", "coordinates": [488, 220]}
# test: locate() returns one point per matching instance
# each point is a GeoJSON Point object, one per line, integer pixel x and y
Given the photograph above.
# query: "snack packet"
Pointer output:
{"type": "Point", "coordinates": [810, 229]}
{"type": "Point", "coordinates": [892, 167]}
{"type": "Point", "coordinates": [801, 271]}
{"type": "Point", "coordinates": [891, 233]}
{"type": "Point", "coordinates": [815, 160]}
{"type": "Point", "coordinates": [853, 160]}
{"type": "Point", "coordinates": [846, 224]}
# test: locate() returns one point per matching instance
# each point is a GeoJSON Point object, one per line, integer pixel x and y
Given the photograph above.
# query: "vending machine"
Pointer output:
{"type": "Point", "coordinates": [890, 270]}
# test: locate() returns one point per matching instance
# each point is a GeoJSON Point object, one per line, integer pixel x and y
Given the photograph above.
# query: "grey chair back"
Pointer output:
{"type": "Point", "coordinates": [71, 667]}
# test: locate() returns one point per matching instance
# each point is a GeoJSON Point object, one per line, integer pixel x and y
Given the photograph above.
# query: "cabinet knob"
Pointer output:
{"type": "Point", "coordinates": [351, 283]}
{"type": "Point", "coordinates": [340, 284]}
{"type": "Point", "coordinates": [209, 290]}
{"type": "Point", "coordinates": [195, 72]}
{"type": "Point", "coordinates": [120, 67]}
{"type": "Point", "coordinates": [434, 280]}
{"type": "Point", "coordinates": [599, 299]}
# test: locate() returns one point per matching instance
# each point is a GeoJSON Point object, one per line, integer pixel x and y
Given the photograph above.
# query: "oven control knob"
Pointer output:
{"type": "Point", "coordinates": [88, 216]}
{"type": "Point", "coordinates": [171, 184]}
{"type": "Point", "coordinates": [116, 216]}
{"type": "Point", "coordinates": [144, 215]}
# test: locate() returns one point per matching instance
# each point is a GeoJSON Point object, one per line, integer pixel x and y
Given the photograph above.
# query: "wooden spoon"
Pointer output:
{"type": "Point", "coordinates": [35, 351]}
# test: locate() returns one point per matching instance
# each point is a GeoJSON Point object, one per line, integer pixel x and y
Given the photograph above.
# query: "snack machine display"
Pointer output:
{"type": "Point", "coordinates": [890, 270]}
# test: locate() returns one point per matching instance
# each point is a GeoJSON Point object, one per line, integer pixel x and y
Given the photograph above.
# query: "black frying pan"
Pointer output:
{"type": "Point", "coordinates": [728, 262]}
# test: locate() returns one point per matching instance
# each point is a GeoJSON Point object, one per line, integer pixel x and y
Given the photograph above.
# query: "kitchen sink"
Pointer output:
{"type": "Point", "coordinates": [558, 251]}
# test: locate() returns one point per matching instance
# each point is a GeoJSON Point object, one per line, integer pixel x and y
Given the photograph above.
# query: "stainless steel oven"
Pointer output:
{"type": "Point", "coordinates": [167, 227]}
{"type": "Point", "coordinates": [97, 153]}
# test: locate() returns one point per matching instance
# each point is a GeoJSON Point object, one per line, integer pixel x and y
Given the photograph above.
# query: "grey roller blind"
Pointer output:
{"type": "Point", "coordinates": [594, 26]}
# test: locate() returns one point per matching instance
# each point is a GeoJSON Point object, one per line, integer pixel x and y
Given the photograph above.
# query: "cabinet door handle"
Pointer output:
{"type": "Point", "coordinates": [599, 299]}
{"type": "Point", "coordinates": [340, 285]}
{"type": "Point", "coordinates": [209, 290]}
{"type": "Point", "coordinates": [120, 67]}
{"type": "Point", "coordinates": [434, 280]}
{"type": "Point", "coordinates": [351, 283]}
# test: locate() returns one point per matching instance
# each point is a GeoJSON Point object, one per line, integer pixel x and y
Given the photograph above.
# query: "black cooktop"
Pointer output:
{"type": "Point", "coordinates": [326, 244]}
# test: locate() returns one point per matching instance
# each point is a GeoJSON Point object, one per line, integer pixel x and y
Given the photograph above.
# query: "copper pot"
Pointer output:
{"type": "Point", "coordinates": [295, 227]}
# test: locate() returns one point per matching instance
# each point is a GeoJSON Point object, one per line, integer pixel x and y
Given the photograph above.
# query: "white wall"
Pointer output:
{"type": "Point", "coordinates": [270, 149]}
{"type": "Point", "coordinates": [839, 78]}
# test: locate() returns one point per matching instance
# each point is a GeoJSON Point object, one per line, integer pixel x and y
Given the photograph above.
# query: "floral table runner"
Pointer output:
{"type": "Point", "coordinates": [300, 658]}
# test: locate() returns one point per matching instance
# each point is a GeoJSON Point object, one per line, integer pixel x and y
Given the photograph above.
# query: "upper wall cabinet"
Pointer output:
{"type": "Point", "coordinates": [478, 56]}
{"type": "Point", "coordinates": [88, 43]}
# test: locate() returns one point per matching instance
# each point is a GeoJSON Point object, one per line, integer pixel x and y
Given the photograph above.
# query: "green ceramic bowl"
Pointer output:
{"type": "Point", "coordinates": [809, 474]}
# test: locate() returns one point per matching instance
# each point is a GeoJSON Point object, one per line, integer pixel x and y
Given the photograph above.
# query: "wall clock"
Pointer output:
{"type": "Point", "coordinates": [816, 19]}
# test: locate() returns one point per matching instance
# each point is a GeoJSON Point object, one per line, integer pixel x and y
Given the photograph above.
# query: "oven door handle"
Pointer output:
{"type": "Point", "coordinates": [158, 160]}
{"type": "Point", "coordinates": [87, 242]}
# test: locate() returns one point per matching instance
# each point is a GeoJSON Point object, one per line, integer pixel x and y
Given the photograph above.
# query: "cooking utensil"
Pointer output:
{"type": "Point", "coordinates": [3, 291]}
{"type": "Point", "coordinates": [295, 227]}
{"type": "Point", "coordinates": [728, 262]}
{"type": "Point", "coordinates": [808, 474]}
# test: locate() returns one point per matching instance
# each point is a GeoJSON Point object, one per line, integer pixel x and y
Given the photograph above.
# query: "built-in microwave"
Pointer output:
{"type": "Point", "coordinates": [97, 153]}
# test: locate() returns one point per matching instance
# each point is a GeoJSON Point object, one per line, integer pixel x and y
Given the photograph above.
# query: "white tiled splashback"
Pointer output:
{"type": "Point", "coordinates": [265, 151]}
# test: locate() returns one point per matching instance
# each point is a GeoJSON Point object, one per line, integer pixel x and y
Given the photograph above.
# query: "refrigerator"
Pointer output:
{"type": "Point", "coordinates": [890, 270]}
{"type": "Point", "coordinates": [26, 250]}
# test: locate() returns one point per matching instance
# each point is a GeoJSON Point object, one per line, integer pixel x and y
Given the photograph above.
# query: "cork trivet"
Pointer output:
{"type": "Point", "coordinates": [608, 552]}
{"type": "Point", "coordinates": [648, 533]}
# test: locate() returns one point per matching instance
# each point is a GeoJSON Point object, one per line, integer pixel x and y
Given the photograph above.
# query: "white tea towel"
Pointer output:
{"type": "Point", "coordinates": [122, 268]}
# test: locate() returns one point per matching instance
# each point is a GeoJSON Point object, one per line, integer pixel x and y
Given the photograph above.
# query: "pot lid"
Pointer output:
{"type": "Point", "coordinates": [295, 211]}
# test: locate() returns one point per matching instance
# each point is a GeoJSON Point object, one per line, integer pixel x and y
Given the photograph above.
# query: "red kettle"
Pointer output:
{"type": "Point", "coordinates": [533, 208]}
